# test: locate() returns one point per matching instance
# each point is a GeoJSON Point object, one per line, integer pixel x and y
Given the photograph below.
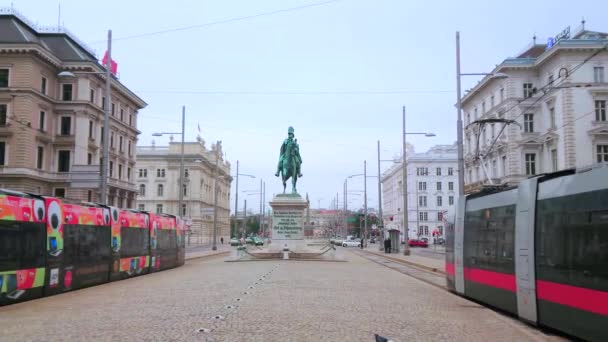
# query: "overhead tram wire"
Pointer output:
{"type": "Point", "coordinates": [545, 89]}
{"type": "Point", "coordinates": [223, 21]}
{"type": "Point", "coordinates": [349, 92]}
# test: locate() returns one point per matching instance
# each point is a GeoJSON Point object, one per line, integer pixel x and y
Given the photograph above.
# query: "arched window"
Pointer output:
{"type": "Point", "coordinates": [160, 190]}
{"type": "Point", "coordinates": [142, 190]}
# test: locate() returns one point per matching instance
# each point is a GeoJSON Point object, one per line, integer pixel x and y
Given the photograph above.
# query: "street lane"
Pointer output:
{"type": "Point", "coordinates": [292, 301]}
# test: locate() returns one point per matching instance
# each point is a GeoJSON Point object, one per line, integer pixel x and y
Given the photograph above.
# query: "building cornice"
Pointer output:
{"type": "Point", "coordinates": [45, 55]}
{"type": "Point", "coordinates": [511, 64]}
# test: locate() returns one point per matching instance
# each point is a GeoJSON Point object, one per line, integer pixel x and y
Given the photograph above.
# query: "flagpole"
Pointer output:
{"type": "Point", "coordinates": [103, 193]}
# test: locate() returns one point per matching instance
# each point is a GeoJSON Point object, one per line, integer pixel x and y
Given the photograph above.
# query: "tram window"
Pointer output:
{"type": "Point", "coordinates": [134, 241]}
{"type": "Point", "coordinates": [21, 245]}
{"type": "Point", "coordinates": [490, 238]}
{"type": "Point", "coordinates": [167, 239]}
{"type": "Point", "coordinates": [599, 216]}
{"type": "Point", "coordinates": [572, 240]}
{"type": "Point", "coordinates": [86, 243]}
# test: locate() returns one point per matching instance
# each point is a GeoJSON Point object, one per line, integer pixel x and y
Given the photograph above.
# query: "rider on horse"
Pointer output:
{"type": "Point", "coordinates": [289, 148]}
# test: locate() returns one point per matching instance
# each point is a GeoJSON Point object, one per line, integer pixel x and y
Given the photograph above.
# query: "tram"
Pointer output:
{"type": "Point", "coordinates": [538, 251]}
{"type": "Point", "coordinates": [50, 245]}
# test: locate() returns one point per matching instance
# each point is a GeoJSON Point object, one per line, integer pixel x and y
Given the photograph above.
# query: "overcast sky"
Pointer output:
{"type": "Point", "coordinates": [339, 72]}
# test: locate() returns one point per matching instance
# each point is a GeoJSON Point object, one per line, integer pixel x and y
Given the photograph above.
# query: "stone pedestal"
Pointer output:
{"type": "Point", "coordinates": [287, 232]}
{"type": "Point", "coordinates": [287, 236]}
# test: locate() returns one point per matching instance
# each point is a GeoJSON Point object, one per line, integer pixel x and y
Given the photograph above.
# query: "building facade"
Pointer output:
{"type": "Point", "coordinates": [432, 187]}
{"type": "Point", "coordinates": [556, 95]}
{"type": "Point", "coordinates": [51, 127]}
{"type": "Point", "coordinates": [158, 181]}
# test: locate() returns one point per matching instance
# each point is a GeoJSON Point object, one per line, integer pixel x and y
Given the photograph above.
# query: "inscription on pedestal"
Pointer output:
{"type": "Point", "coordinates": [287, 225]}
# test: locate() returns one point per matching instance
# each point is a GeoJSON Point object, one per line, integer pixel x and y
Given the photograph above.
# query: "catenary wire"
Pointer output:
{"type": "Point", "coordinates": [223, 21]}
{"type": "Point", "coordinates": [546, 88]}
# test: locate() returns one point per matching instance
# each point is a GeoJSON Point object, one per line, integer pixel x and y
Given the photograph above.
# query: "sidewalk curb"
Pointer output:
{"type": "Point", "coordinates": [207, 255]}
{"type": "Point", "coordinates": [410, 263]}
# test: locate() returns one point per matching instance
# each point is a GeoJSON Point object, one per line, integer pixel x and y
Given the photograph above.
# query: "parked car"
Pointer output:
{"type": "Point", "coordinates": [249, 240]}
{"type": "Point", "coordinates": [235, 242]}
{"type": "Point", "coordinates": [440, 241]}
{"type": "Point", "coordinates": [351, 243]}
{"type": "Point", "coordinates": [257, 241]}
{"type": "Point", "coordinates": [417, 243]}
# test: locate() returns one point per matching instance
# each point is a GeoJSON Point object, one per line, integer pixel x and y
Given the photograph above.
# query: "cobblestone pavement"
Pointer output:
{"type": "Point", "coordinates": [292, 301]}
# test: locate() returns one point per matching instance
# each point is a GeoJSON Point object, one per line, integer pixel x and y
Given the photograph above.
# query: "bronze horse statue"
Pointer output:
{"type": "Point", "coordinates": [290, 162]}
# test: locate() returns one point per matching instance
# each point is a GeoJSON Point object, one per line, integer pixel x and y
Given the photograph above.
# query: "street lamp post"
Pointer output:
{"type": "Point", "coordinates": [459, 125]}
{"type": "Point", "coordinates": [261, 204]}
{"type": "Point", "coordinates": [364, 203]}
{"type": "Point", "coordinates": [406, 248]}
{"type": "Point", "coordinates": [181, 163]}
{"type": "Point", "coordinates": [345, 230]}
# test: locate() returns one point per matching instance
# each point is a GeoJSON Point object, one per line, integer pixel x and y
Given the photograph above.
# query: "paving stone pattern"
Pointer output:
{"type": "Point", "coordinates": [261, 301]}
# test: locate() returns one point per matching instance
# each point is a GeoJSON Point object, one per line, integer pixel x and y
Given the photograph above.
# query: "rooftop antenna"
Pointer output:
{"type": "Point", "coordinates": [583, 23]}
{"type": "Point", "coordinates": [534, 39]}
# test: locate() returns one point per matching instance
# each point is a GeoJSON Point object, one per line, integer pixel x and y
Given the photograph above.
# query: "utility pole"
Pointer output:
{"type": "Point", "coordinates": [244, 230]}
{"type": "Point", "coordinates": [236, 202]}
{"type": "Point", "coordinates": [459, 120]}
{"type": "Point", "coordinates": [217, 161]}
{"type": "Point", "coordinates": [264, 210]}
{"type": "Point", "coordinates": [406, 248]}
{"type": "Point", "coordinates": [380, 218]}
{"type": "Point", "coordinates": [364, 201]}
{"type": "Point", "coordinates": [345, 208]}
{"type": "Point", "coordinates": [337, 216]}
{"type": "Point", "coordinates": [261, 204]}
{"type": "Point", "coordinates": [106, 127]}
{"type": "Point", "coordinates": [182, 180]}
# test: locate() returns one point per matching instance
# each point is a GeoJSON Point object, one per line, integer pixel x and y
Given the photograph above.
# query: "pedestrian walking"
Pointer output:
{"type": "Point", "coordinates": [387, 245]}
{"type": "Point", "coordinates": [222, 240]}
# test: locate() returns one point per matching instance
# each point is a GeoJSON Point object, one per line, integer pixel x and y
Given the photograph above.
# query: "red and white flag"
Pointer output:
{"type": "Point", "coordinates": [113, 64]}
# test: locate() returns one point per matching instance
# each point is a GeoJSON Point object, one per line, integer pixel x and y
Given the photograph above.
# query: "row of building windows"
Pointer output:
{"type": "Point", "coordinates": [438, 186]}
{"type": "Point", "coordinates": [64, 161]}
{"type": "Point", "coordinates": [67, 94]}
{"type": "Point", "coordinates": [529, 122]}
{"type": "Point", "coordinates": [160, 190]}
{"type": "Point", "coordinates": [424, 230]}
{"type": "Point", "coordinates": [528, 91]}
{"type": "Point", "coordinates": [160, 173]}
{"type": "Point", "coordinates": [424, 171]}
{"type": "Point", "coordinates": [422, 201]}
{"type": "Point", "coordinates": [65, 129]}
{"type": "Point", "coordinates": [424, 216]}
{"type": "Point", "coordinates": [531, 163]}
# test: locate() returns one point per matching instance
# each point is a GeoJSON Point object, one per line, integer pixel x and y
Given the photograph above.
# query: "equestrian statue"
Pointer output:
{"type": "Point", "coordinates": [290, 161]}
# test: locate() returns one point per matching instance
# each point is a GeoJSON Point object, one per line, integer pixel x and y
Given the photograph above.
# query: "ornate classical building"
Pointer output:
{"type": "Point", "coordinates": [158, 181]}
{"type": "Point", "coordinates": [557, 94]}
{"type": "Point", "coordinates": [50, 126]}
{"type": "Point", "coordinates": [432, 187]}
